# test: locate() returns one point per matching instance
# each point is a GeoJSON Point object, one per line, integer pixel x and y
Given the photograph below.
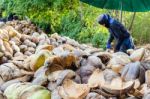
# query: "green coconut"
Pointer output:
{"type": "Point", "coordinates": [13, 91]}
{"type": "Point", "coordinates": [41, 94]}
{"type": "Point", "coordinates": [34, 91]}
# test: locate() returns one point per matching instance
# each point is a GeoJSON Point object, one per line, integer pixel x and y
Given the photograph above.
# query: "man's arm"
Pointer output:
{"type": "Point", "coordinates": [117, 47]}
{"type": "Point", "coordinates": [111, 38]}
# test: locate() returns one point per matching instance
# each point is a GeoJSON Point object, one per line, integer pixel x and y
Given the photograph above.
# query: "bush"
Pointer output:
{"type": "Point", "coordinates": [100, 40]}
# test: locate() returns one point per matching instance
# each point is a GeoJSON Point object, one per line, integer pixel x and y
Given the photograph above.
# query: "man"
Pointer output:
{"type": "Point", "coordinates": [117, 32]}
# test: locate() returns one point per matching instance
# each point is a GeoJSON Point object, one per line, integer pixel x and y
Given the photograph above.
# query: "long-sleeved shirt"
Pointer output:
{"type": "Point", "coordinates": [117, 32]}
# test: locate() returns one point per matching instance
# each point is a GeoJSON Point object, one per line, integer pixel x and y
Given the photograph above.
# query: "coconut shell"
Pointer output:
{"type": "Point", "coordinates": [54, 63]}
{"type": "Point", "coordinates": [67, 47]}
{"type": "Point", "coordinates": [1, 81]}
{"type": "Point", "coordinates": [44, 47]}
{"type": "Point", "coordinates": [55, 94]}
{"type": "Point", "coordinates": [147, 79]}
{"type": "Point", "coordinates": [4, 35]}
{"type": "Point", "coordinates": [84, 72]}
{"type": "Point", "coordinates": [15, 48]}
{"type": "Point", "coordinates": [131, 71]}
{"type": "Point", "coordinates": [118, 60]}
{"type": "Point", "coordinates": [65, 74]}
{"type": "Point", "coordinates": [8, 47]}
{"type": "Point", "coordinates": [137, 55]}
{"type": "Point", "coordinates": [2, 47]}
{"type": "Point", "coordinates": [59, 77]}
{"type": "Point", "coordinates": [58, 50]}
{"type": "Point", "coordinates": [40, 77]}
{"type": "Point", "coordinates": [2, 96]}
{"type": "Point", "coordinates": [96, 79]}
{"type": "Point", "coordinates": [104, 56]}
{"type": "Point", "coordinates": [119, 88]}
{"type": "Point", "coordinates": [93, 95]}
{"type": "Point", "coordinates": [103, 92]}
{"type": "Point", "coordinates": [52, 78]}
{"type": "Point", "coordinates": [68, 60]}
{"type": "Point", "coordinates": [40, 81]}
{"type": "Point", "coordinates": [16, 40]}
{"type": "Point", "coordinates": [71, 90]}
{"type": "Point", "coordinates": [39, 59]}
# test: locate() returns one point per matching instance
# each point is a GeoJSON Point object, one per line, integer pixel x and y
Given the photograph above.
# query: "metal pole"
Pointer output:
{"type": "Point", "coordinates": [132, 21]}
{"type": "Point", "coordinates": [121, 12]}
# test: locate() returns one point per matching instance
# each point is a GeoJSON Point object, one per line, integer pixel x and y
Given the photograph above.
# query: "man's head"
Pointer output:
{"type": "Point", "coordinates": [104, 20]}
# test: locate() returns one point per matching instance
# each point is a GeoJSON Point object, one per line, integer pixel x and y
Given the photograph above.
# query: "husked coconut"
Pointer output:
{"type": "Point", "coordinates": [14, 47]}
{"type": "Point", "coordinates": [8, 47]}
{"type": "Point", "coordinates": [28, 53]}
{"type": "Point", "coordinates": [17, 54]}
{"type": "Point", "coordinates": [4, 35]}
{"type": "Point", "coordinates": [23, 48]}
{"type": "Point", "coordinates": [31, 49]}
{"type": "Point", "coordinates": [16, 40]}
{"type": "Point", "coordinates": [44, 47]}
{"type": "Point", "coordinates": [29, 43]}
{"type": "Point", "coordinates": [2, 47]}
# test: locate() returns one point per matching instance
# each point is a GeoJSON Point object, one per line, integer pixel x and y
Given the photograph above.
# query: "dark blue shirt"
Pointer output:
{"type": "Point", "coordinates": [117, 32]}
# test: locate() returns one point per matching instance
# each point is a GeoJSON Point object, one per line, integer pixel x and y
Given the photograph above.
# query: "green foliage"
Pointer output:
{"type": "Point", "coordinates": [71, 25]}
{"type": "Point", "coordinates": [99, 40]}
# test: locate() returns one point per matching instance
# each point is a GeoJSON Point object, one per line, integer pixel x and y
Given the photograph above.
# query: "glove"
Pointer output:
{"type": "Point", "coordinates": [108, 46]}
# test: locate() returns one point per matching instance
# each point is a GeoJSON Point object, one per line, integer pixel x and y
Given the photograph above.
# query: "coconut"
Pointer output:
{"type": "Point", "coordinates": [14, 94]}
{"type": "Point", "coordinates": [39, 59]}
{"type": "Point", "coordinates": [118, 61]}
{"type": "Point", "coordinates": [119, 88]}
{"type": "Point", "coordinates": [93, 95]}
{"type": "Point", "coordinates": [35, 92]}
{"type": "Point", "coordinates": [44, 47]}
{"type": "Point", "coordinates": [131, 71]}
{"type": "Point", "coordinates": [58, 77]}
{"type": "Point", "coordinates": [71, 90]}
{"type": "Point", "coordinates": [137, 55]}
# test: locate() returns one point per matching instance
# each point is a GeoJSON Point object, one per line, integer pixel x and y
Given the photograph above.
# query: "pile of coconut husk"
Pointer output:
{"type": "Point", "coordinates": [34, 65]}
